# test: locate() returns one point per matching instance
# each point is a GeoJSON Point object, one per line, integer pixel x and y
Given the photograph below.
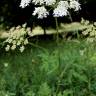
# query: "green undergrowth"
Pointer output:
{"type": "Point", "coordinates": [45, 69]}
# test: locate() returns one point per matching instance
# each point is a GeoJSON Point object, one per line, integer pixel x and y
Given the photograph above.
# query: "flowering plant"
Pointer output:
{"type": "Point", "coordinates": [16, 38]}
{"type": "Point", "coordinates": [60, 7]}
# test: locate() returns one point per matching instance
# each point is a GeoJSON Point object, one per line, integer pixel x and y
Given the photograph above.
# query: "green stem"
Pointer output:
{"type": "Point", "coordinates": [57, 29]}
{"type": "Point", "coordinates": [57, 38]}
{"type": "Point", "coordinates": [70, 17]}
{"type": "Point", "coordinates": [57, 41]}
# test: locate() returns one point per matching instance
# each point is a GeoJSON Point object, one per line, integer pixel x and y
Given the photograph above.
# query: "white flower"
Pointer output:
{"type": "Point", "coordinates": [18, 43]}
{"type": "Point", "coordinates": [61, 9]}
{"type": "Point", "coordinates": [60, 12]}
{"type": "Point", "coordinates": [22, 48]}
{"type": "Point", "coordinates": [13, 47]}
{"type": "Point", "coordinates": [24, 3]}
{"type": "Point", "coordinates": [14, 36]}
{"type": "Point", "coordinates": [6, 64]}
{"type": "Point", "coordinates": [24, 25]}
{"type": "Point", "coordinates": [9, 40]}
{"type": "Point", "coordinates": [21, 39]}
{"type": "Point", "coordinates": [38, 2]}
{"type": "Point", "coordinates": [7, 48]}
{"type": "Point", "coordinates": [90, 40]}
{"type": "Point", "coordinates": [26, 42]}
{"type": "Point", "coordinates": [50, 2]}
{"type": "Point", "coordinates": [46, 2]}
{"type": "Point", "coordinates": [74, 5]}
{"type": "Point", "coordinates": [18, 27]}
{"type": "Point", "coordinates": [41, 12]}
{"type": "Point", "coordinates": [28, 29]}
{"type": "Point", "coordinates": [63, 4]}
{"type": "Point", "coordinates": [12, 29]}
{"type": "Point", "coordinates": [14, 42]}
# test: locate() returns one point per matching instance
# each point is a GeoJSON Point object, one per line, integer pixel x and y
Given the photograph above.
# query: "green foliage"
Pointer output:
{"type": "Point", "coordinates": [44, 90]}
{"type": "Point", "coordinates": [67, 71]}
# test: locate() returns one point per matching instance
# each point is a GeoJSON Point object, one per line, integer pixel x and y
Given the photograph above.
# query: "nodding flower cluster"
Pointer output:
{"type": "Point", "coordinates": [60, 7]}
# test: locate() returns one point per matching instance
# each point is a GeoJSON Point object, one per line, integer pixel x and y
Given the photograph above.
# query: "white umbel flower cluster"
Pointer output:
{"type": "Point", "coordinates": [74, 5]}
{"type": "Point", "coordinates": [24, 3]}
{"type": "Point", "coordinates": [50, 2]}
{"type": "Point", "coordinates": [41, 12]}
{"type": "Point", "coordinates": [46, 2]}
{"type": "Point", "coordinates": [16, 39]}
{"type": "Point", "coordinates": [60, 7]}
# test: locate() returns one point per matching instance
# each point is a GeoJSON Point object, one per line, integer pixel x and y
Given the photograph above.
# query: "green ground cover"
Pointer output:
{"type": "Point", "coordinates": [47, 70]}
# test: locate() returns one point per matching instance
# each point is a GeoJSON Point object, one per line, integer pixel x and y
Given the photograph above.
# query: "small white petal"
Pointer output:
{"type": "Point", "coordinates": [22, 48]}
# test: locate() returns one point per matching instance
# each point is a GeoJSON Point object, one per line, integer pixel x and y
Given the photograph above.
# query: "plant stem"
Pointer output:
{"type": "Point", "coordinates": [57, 39]}
{"type": "Point", "coordinates": [57, 42]}
{"type": "Point", "coordinates": [70, 17]}
{"type": "Point", "coordinates": [57, 29]}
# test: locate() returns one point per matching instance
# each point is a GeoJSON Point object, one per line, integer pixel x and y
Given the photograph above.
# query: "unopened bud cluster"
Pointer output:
{"type": "Point", "coordinates": [16, 39]}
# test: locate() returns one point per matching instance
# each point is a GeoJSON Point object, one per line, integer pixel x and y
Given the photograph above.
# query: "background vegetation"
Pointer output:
{"type": "Point", "coordinates": [46, 68]}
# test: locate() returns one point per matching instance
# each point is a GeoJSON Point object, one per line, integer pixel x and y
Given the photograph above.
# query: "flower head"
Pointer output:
{"type": "Point", "coordinates": [41, 12]}
{"type": "Point", "coordinates": [38, 2]}
{"type": "Point", "coordinates": [24, 3]}
{"type": "Point", "coordinates": [22, 48]}
{"type": "Point", "coordinates": [61, 9]}
{"type": "Point", "coordinates": [13, 47]}
{"type": "Point", "coordinates": [7, 48]}
{"type": "Point", "coordinates": [75, 5]}
{"type": "Point", "coordinates": [50, 2]}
